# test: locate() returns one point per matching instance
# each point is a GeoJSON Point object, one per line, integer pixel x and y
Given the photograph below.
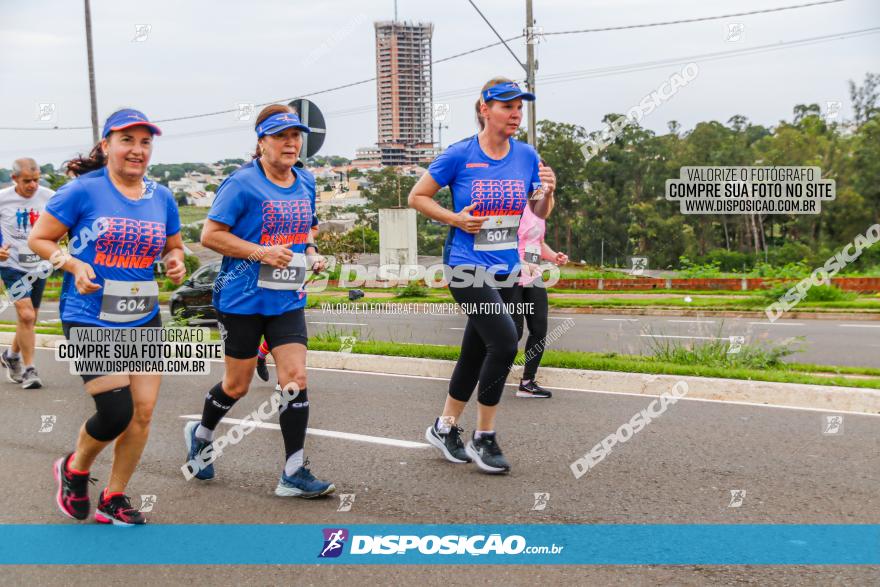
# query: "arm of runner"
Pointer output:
{"type": "Point", "coordinates": [421, 198]}
{"type": "Point", "coordinates": [43, 240]}
{"type": "Point", "coordinates": [173, 258]}
{"type": "Point", "coordinates": [217, 237]}
{"type": "Point", "coordinates": [4, 252]}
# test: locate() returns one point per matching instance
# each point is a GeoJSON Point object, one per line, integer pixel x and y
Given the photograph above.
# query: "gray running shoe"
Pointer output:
{"type": "Point", "coordinates": [13, 367]}
{"type": "Point", "coordinates": [31, 379]}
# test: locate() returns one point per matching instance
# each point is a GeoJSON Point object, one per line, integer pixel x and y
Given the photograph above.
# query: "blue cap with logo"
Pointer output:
{"type": "Point", "coordinates": [279, 122]}
{"type": "Point", "coordinates": [127, 118]}
{"type": "Point", "coordinates": [505, 92]}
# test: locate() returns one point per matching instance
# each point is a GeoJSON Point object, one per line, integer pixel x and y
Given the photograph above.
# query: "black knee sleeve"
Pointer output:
{"type": "Point", "coordinates": [115, 410]}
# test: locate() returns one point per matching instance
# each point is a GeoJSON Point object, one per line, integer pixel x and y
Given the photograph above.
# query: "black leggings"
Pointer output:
{"type": "Point", "coordinates": [537, 323]}
{"type": "Point", "coordinates": [489, 345]}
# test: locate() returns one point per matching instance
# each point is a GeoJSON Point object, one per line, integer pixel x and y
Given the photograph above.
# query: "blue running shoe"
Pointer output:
{"type": "Point", "coordinates": [195, 446]}
{"type": "Point", "coordinates": [303, 484]}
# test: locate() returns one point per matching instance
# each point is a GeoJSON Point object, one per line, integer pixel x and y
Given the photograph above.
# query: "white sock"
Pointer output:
{"type": "Point", "coordinates": [525, 381]}
{"type": "Point", "coordinates": [294, 462]}
{"type": "Point", "coordinates": [11, 355]}
{"type": "Point", "coordinates": [444, 424]}
{"type": "Point", "coordinates": [203, 433]}
{"type": "Point", "coordinates": [481, 433]}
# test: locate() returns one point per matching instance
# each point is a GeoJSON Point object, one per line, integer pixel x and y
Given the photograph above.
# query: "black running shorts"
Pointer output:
{"type": "Point", "coordinates": [241, 333]}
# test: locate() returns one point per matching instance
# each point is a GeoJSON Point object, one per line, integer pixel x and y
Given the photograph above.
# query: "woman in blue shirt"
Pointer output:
{"type": "Point", "coordinates": [491, 176]}
{"type": "Point", "coordinates": [261, 222]}
{"type": "Point", "coordinates": [119, 223]}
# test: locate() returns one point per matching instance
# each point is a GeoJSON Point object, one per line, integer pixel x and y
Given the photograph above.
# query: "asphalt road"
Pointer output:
{"type": "Point", "coordinates": [824, 342]}
{"type": "Point", "coordinates": [679, 469]}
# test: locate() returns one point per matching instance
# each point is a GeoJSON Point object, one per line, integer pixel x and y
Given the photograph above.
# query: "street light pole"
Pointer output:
{"type": "Point", "coordinates": [91, 73]}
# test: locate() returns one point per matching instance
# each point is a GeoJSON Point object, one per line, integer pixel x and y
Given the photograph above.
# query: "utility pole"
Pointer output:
{"type": "Point", "coordinates": [530, 70]}
{"type": "Point", "coordinates": [440, 127]}
{"type": "Point", "coordinates": [91, 73]}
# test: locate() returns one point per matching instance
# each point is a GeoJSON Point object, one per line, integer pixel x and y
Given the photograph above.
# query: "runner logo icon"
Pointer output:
{"type": "Point", "coordinates": [334, 541]}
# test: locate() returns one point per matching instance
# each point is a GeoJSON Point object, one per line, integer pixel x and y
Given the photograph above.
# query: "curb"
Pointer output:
{"type": "Point", "coordinates": [791, 315]}
{"type": "Point", "coordinates": [793, 395]}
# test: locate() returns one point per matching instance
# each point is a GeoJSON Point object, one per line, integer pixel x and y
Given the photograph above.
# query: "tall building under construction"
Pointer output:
{"type": "Point", "coordinates": [403, 92]}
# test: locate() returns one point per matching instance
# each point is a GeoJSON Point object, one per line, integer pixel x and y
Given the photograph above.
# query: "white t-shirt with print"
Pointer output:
{"type": "Point", "coordinates": [17, 216]}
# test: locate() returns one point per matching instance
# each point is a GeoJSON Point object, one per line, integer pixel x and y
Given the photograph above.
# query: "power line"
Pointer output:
{"type": "Point", "coordinates": [557, 78]}
{"type": "Point", "coordinates": [483, 16]}
{"type": "Point", "coordinates": [502, 41]}
{"type": "Point", "coordinates": [689, 20]}
{"type": "Point", "coordinates": [632, 67]}
{"type": "Point", "coordinates": [306, 95]}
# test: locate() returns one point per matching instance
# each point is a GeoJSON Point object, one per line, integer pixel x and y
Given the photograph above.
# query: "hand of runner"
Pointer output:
{"type": "Point", "coordinates": [318, 262]}
{"type": "Point", "coordinates": [548, 178]}
{"type": "Point", "coordinates": [561, 259]}
{"type": "Point", "coordinates": [277, 256]}
{"type": "Point", "coordinates": [468, 223]}
{"type": "Point", "coordinates": [83, 274]}
{"type": "Point", "coordinates": [175, 270]}
{"type": "Point", "coordinates": [530, 270]}
{"type": "Point", "coordinates": [4, 252]}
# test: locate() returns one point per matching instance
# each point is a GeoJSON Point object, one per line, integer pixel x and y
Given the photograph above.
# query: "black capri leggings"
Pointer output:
{"type": "Point", "coordinates": [536, 320]}
{"type": "Point", "coordinates": [489, 345]}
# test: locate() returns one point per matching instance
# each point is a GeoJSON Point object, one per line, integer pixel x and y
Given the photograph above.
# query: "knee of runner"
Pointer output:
{"type": "Point", "coordinates": [235, 389]}
{"type": "Point", "coordinates": [114, 411]}
{"type": "Point", "coordinates": [292, 377]}
{"type": "Point", "coordinates": [143, 415]}
{"type": "Point", "coordinates": [505, 349]}
{"type": "Point", "coordinates": [27, 316]}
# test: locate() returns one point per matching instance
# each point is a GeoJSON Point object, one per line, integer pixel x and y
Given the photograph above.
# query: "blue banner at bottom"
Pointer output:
{"type": "Point", "coordinates": [519, 544]}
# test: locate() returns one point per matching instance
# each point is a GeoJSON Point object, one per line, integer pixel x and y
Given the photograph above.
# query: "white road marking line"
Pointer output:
{"type": "Point", "coordinates": [341, 323]}
{"type": "Point", "coordinates": [319, 432]}
{"type": "Point", "coordinates": [778, 323]}
{"type": "Point", "coordinates": [456, 328]}
{"type": "Point", "coordinates": [684, 336]}
{"type": "Point", "coordinates": [693, 321]}
{"type": "Point", "coordinates": [621, 319]}
{"type": "Point", "coordinates": [859, 325]}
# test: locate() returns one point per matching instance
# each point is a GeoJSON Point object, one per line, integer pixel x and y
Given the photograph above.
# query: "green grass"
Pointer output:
{"type": "Point", "coordinates": [803, 374]}
{"type": "Point", "coordinates": [190, 214]}
{"type": "Point", "coordinates": [683, 292]}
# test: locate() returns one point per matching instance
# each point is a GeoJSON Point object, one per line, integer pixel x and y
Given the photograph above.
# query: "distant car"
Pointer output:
{"type": "Point", "coordinates": [193, 298]}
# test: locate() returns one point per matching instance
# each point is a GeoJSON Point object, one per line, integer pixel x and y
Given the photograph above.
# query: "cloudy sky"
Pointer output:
{"type": "Point", "coordinates": [198, 56]}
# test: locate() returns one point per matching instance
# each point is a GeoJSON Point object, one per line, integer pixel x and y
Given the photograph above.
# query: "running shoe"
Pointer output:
{"type": "Point", "coordinates": [195, 446]}
{"type": "Point", "coordinates": [72, 496]}
{"type": "Point", "coordinates": [31, 379]}
{"type": "Point", "coordinates": [532, 389]}
{"type": "Point", "coordinates": [448, 443]}
{"type": "Point", "coordinates": [302, 484]}
{"type": "Point", "coordinates": [13, 367]}
{"type": "Point", "coordinates": [116, 509]}
{"type": "Point", "coordinates": [262, 369]}
{"type": "Point", "coordinates": [487, 454]}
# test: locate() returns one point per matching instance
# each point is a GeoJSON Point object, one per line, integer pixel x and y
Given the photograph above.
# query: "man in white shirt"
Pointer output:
{"type": "Point", "coordinates": [20, 206]}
